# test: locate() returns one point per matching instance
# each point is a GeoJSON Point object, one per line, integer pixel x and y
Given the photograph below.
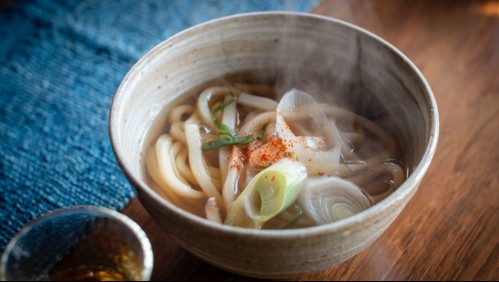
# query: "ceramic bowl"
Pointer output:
{"type": "Point", "coordinates": [299, 50]}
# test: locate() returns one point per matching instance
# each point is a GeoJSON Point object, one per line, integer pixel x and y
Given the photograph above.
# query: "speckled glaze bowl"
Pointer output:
{"type": "Point", "coordinates": [360, 67]}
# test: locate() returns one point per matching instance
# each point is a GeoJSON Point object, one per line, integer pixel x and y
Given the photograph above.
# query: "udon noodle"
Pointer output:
{"type": "Point", "coordinates": [237, 157]}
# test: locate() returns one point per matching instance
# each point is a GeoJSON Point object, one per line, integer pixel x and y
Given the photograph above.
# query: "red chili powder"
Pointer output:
{"type": "Point", "coordinates": [265, 154]}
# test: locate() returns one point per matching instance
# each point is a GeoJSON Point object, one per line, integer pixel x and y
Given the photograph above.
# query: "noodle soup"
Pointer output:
{"type": "Point", "coordinates": [347, 68]}
{"type": "Point", "coordinates": [252, 155]}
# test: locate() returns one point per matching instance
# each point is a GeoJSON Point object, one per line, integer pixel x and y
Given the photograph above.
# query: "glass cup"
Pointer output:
{"type": "Point", "coordinates": [81, 243]}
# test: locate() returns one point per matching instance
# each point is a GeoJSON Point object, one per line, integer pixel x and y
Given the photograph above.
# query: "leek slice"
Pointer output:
{"type": "Point", "coordinates": [269, 193]}
{"type": "Point", "coordinates": [330, 199]}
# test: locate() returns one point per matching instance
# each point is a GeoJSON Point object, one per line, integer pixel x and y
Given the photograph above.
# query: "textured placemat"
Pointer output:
{"type": "Point", "coordinates": [60, 63]}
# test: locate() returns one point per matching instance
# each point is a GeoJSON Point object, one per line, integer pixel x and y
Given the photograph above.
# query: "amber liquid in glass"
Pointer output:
{"type": "Point", "coordinates": [88, 273]}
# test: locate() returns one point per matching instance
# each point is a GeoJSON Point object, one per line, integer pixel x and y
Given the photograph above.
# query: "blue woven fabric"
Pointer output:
{"type": "Point", "coordinates": [60, 63]}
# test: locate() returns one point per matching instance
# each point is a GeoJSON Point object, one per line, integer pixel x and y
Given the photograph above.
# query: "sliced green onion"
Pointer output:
{"type": "Point", "coordinates": [228, 141]}
{"type": "Point", "coordinates": [269, 193]}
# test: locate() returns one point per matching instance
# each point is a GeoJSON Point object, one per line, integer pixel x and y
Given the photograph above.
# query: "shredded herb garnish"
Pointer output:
{"type": "Point", "coordinates": [261, 134]}
{"type": "Point", "coordinates": [229, 137]}
{"type": "Point", "coordinates": [298, 215]}
{"type": "Point", "coordinates": [222, 105]}
{"type": "Point", "coordinates": [228, 141]}
{"type": "Point", "coordinates": [224, 129]}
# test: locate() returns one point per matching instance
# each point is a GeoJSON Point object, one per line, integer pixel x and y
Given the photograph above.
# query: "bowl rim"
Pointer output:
{"type": "Point", "coordinates": [388, 203]}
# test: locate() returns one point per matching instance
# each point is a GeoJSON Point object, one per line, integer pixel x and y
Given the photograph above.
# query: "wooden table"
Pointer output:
{"type": "Point", "coordinates": [450, 229]}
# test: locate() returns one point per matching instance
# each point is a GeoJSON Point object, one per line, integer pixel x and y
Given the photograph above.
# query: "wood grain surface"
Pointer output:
{"type": "Point", "coordinates": [450, 229]}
